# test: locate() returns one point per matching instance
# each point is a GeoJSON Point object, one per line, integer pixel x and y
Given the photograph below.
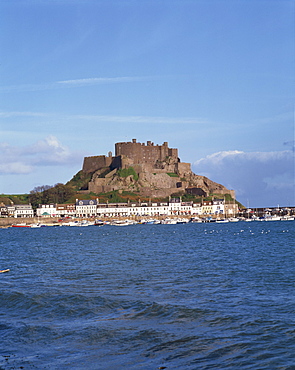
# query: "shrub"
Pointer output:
{"type": "Point", "coordinates": [125, 172]}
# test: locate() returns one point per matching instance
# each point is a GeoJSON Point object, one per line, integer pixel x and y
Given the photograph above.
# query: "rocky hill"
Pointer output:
{"type": "Point", "coordinates": [151, 170]}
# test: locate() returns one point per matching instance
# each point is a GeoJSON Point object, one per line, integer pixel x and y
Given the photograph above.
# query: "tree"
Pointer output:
{"type": "Point", "coordinates": [46, 194]}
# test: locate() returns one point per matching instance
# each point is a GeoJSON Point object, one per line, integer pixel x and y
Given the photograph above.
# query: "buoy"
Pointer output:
{"type": "Point", "coordinates": [7, 270]}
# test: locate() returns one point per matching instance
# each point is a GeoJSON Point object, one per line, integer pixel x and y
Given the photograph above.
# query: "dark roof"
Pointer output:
{"type": "Point", "coordinates": [86, 202]}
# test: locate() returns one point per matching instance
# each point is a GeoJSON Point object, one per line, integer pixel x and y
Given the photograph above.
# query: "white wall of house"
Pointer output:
{"type": "Point", "coordinates": [196, 209]}
{"type": "Point", "coordinates": [23, 210]}
{"type": "Point", "coordinates": [86, 208]}
{"type": "Point", "coordinates": [44, 210]}
{"type": "Point", "coordinates": [65, 212]}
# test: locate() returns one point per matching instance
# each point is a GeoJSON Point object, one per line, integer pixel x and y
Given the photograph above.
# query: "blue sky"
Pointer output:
{"type": "Point", "coordinates": [214, 78]}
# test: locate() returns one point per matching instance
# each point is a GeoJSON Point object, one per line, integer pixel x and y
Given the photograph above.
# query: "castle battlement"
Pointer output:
{"type": "Point", "coordinates": [132, 153]}
{"type": "Point", "coordinates": [148, 154]}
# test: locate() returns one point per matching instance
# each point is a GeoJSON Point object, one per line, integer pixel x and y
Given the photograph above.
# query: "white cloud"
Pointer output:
{"type": "Point", "coordinates": [108, 118]}
{"type": "Point", "coordinates": [76, 83]}
{"type": "Point", "coordinates": [15, 168]}
{"type": "Point", "coordinates": [264, 178]}
{"type": "Point", "coordinates": [49, 151]}
{"type": "Point", "coordinates": [46, 152]}
{"type": "Point", "coordinates": [102, 80]}
{"type": "Point", "coordinates": [22, 114]}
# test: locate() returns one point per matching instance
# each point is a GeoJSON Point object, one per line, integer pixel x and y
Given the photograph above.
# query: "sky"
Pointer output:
{"type": "Point", "coordinates": [214, 78]}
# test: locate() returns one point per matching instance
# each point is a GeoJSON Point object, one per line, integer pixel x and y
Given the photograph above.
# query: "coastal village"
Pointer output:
{"type": "Point", "coordinates": [152, 172]}
{"type": "Point", "coordinates": [91, 212]}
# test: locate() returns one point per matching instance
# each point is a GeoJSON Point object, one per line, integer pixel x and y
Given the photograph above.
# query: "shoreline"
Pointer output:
{"type": "Point", "coordinates": [57, 221]}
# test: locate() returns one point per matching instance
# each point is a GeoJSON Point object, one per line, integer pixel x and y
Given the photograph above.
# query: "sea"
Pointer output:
{"type": "Point", "coordinates": [185, 296]}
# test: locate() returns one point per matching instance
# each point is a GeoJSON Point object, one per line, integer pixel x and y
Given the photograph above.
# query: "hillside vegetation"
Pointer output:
{"type": "Point", "coordinates": [73, 189]}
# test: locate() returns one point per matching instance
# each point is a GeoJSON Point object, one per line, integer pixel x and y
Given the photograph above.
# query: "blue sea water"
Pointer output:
{"type": "Point", "coordinates": [192, 296]}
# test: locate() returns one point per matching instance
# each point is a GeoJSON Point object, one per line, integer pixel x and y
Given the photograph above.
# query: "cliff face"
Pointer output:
{"type": "Point", "coordinates": [153, 171]}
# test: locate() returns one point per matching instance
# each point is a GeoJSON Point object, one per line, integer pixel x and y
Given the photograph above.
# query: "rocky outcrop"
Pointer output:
{"type": "Point", "coordinates": [156, 172]}
{"type": "Point", "coordinates": [153, 184]}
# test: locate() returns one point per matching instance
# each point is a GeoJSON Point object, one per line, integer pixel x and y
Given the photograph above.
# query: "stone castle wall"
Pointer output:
{"type": "Point", "coordinates": [184, 168]}
{"type": "Point", "coordinates": [94, 163]}
{"type": "Point", "coordinates": [132, 153]}
{"type": "Point", "coordinates": [141, 153]}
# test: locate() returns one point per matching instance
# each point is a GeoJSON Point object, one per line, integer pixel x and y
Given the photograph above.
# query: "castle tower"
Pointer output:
{"type": "Point", "coordinates": [149, 153]}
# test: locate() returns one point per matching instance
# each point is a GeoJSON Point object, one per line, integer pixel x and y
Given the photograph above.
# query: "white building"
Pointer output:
{"type": "Point", "coordinates": [143, 209]}
{"type": "Point", "coordinates": [86, 208]}
{"type": "Point", "coordinates": [133, 209]}
{"type": "Point", "coordinates": [218, 206]}
{"type": "Point", "coordinates": [23, 210]}
{"type": "Point", "coordinates": [65, 210]}
{"type": "Point", "coordinates": [46, 210]}
{"type": "Point", "coordinates": [197, 209]}
{"type": "Point", "coordinates": [207, 207]}
{"type": "Point", "coordinates": [3, 210]}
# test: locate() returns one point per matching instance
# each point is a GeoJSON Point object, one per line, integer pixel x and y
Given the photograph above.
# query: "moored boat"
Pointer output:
{"type": "Point", "coordinates": [287, 218]}
{"type": "Point", "coordinates": [233, 219]}
{"type": "Point", "coordinates": [222, 221]}
{"type": "Point", "coordinates": [169, 221]}
{"type": "Point", "coordinates": [20, 225]}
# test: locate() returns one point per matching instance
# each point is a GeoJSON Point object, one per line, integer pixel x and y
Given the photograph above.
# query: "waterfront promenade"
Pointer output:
{"type": "Point", "coordinates": [56, 221]}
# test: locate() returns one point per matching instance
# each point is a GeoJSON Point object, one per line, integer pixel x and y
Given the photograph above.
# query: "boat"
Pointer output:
{"type": "Point", "coordinates": [272, 218]}
{"type": "Point", "coordinates": [150, 222]}
{"type": "Point", "coordinates": [86, 223]}
{"type": "Point", "coordinates": [222, 221]}
{"type": "Point", "coordinates": [209, 219]}
{"type": "Point", "coordinates": [123, 223]}
{"type": "Point", "coordinates": [169, 221]}
{"type": "Point", "coordinates": [35, 226]}
{"type": "Point", "coordinates": [287, 218]}
{"type": "Point", "coordinates": [233, 219]}
{"type": "Point", "coordinates": [20, 225]}
{"type": "Point", "coordinates": [196, 220]}
{"type": "Point", "coordinates": [182, 220]}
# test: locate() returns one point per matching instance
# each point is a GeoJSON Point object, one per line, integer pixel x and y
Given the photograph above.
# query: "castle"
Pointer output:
{"type": "Point", "coordinates": [158, 169]}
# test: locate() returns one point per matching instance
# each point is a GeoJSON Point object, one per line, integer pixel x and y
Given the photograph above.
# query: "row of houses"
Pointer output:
{"type": "Point", "coordinates": [92, 208]}
{"type": "Point", "coordinates": [18, 210]}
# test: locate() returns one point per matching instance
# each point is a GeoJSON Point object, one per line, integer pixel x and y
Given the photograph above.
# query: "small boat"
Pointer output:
{"type": "Point", "coordinates": [86, 223]}
{"type": "Point", "coordinates": [169, 221]}
{"type": "Point", "coordinates": [150, 222]}
{"type": "Point", "coordinates": [6, 270]}
{"type": "Point", "coordinates": [196, 220]}
{"type": "Point", "coordinates": [182, 221]}
{"type": "Point", "coordinates": [209, 219]}
{"type": "Point", "coordinates": [287, 218]}
{"type": "Point", "coordinates": [123, 223]}
{"type": "Point", "coordinates": [272, 218]}
{"type": "Point", "coordinates": [20, 225]}
{"type": "Point", "coordinates": [222, 221]}
{"type": "Point", "coordinates": [233, 219]}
